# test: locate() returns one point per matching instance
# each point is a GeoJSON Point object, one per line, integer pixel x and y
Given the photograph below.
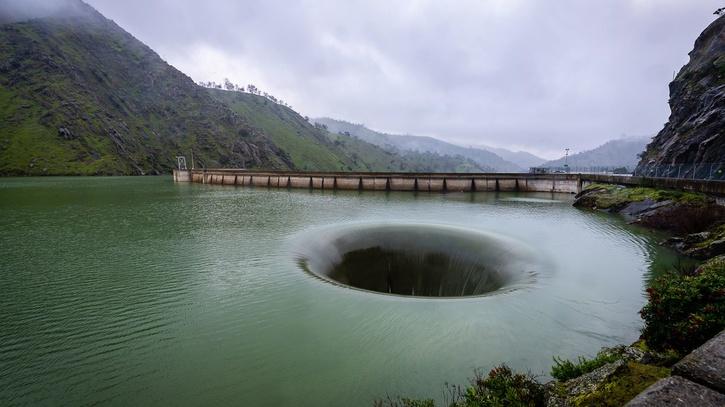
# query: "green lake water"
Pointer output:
{"type": "Point", "coordinates": [139, 291]}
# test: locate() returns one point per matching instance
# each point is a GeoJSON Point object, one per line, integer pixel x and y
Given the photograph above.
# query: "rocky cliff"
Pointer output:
{"type": "Point", "coordinates": [695, 131]}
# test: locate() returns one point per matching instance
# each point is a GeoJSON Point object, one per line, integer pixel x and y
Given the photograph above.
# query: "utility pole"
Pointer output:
{"type": "Point", "coordinates": [566, 160]}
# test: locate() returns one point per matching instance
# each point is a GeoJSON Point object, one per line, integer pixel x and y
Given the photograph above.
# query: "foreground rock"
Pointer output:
{"type": "Point", "coordinates": [702, 245]}
{"type": "Point", "coordinates": [612, 384]}
{"type": "Point", "coordinates": [676, 391]}
{"type": "Point", "coordinates": [706, 364]}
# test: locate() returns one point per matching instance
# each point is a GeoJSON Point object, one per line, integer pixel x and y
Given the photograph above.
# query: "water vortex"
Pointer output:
{"type": "Point", "coordinates": [418, 260]}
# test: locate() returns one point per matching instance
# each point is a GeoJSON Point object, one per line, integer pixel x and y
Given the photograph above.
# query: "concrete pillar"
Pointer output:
{"type": "Point", "coordinates": [299, 182]}
{"type": "Point", "coordinates": [348, 183]}
{"type": "Point", "coordinates": [374, 184]}
{"type": "Point", "coordinates": [402, 184]}
{"type": "Point", "coordinates": [459, 185]}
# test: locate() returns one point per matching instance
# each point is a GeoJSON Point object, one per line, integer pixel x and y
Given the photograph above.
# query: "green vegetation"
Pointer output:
{"type": "Point", "coordinates": [609, 196]}
{"type": "Point", "coordinates": [676, 211]}
{"type": "Point", "coordinates": [630, 380]}
{"type": "Point", "coordinates": [685, 310]}
{"type": "Point", "coordinates": [715, 234]}
{"type": "Point", "coordinates": [565, 369]}
{"type": "Point", "coordinates": [79, 95]}
{"type": "Point", "coordinates": [503, 387]}
{"type": "Point", "coordinates": [312, 147]}
{"type": "Point", "coordinates": [308, 147]}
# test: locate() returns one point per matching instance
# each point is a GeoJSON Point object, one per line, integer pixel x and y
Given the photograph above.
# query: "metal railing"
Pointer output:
{"type": "Point", "coordinates": [707, 171]}
{"type": "Point", "coordinates": [619, 170]}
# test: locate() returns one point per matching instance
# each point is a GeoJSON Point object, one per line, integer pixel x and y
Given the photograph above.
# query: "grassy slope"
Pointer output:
{"type": "Point", "coordinates": [312, 148]}
{"type": "Point", "coordinates": [308, 147]}
{"type": "Point", "coordinates": [127, 110]}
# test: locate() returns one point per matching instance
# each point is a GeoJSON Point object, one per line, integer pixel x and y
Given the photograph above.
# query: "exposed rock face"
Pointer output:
{"type": "Point", "coordinates": [676, 391]}
{"type": "Point", "coordinates": [675, 211]}
{"type": "Point", "coordinates": [703, 245]}
{"type": "Point", "coordinates": [632, 371]}
{"type": "Point", "coordinates": [706, 364]}
{"type": "Point", "coordinates": [695, 132]}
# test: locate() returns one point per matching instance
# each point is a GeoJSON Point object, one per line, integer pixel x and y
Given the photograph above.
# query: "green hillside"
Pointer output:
{"type": "Point", "coordinates": [79, 95]}
{"type": "Point", "coordinates": [309, 148]}
{"type": "Point", "coordinates": [314, 148]}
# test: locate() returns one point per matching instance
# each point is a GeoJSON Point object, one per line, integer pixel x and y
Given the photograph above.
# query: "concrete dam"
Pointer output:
{"type": "Point", "coordinates": [435, 182]}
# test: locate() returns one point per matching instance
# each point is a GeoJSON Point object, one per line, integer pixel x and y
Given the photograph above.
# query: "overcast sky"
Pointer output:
{"type": "Point", "coordinates": [521, 74]}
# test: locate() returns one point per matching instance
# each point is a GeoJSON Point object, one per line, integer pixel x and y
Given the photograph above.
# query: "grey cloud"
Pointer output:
{"type": "Point", "coordinates": [532, 74]}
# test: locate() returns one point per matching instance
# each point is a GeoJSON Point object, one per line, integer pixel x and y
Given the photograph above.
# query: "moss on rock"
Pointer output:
{"type": "Point", "coordinates": [609, 196]}
{"type": "Point", "coordinates": [628, 381]}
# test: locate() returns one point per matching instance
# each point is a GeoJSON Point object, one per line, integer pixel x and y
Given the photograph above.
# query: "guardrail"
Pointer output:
{"type": "Point", "coordinates": [706, 171]}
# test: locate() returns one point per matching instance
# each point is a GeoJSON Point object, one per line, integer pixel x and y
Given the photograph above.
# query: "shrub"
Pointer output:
{"type": "Point", "coordinates": [404, 402]}
{"type": "Point", "coordinates": [565, 369]}
{"type": "Point", "coordinates": [503, 387]}
{"type": "Point", "coordinates": [685, 310]}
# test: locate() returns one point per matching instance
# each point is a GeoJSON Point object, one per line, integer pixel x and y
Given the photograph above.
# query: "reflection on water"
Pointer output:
{"type": "Point", "coordinates": [135, 291]}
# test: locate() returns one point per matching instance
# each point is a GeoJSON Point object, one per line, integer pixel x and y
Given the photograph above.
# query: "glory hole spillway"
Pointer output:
{"type": "Point", "coordinates": [419, 260]}
{"type": "Point", "coordinates": [266, 295]}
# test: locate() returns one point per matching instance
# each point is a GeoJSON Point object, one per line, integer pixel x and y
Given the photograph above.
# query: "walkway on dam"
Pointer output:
{"type": "Point", "coordinates": [436, 182]}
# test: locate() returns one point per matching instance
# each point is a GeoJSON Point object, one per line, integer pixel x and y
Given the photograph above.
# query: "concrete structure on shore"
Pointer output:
{"type": "Point", "coordinates": [435, 182]}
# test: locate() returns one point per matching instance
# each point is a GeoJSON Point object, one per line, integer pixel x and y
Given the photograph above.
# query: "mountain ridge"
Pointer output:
{"type": "Point", "coordinates": [312, 147]}
{"type": "Point", "coordinates": [615, 153]}
{"type": "Point", "coordinates": [523, 159]}
{"type": "Point", "coordinates": [395, 142]}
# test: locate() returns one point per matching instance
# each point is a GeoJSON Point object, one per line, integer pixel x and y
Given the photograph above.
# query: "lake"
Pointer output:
{"type": "Point", "coordinates": [139, 291]}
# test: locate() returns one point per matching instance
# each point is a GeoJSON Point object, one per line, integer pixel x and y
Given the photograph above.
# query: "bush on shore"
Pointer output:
{"type": "Point", "coordinates": [685, 310]}
{"type": "Point", "coordinates": [564, 369]}
{"type": "Point", "coordinates": [501, 387]}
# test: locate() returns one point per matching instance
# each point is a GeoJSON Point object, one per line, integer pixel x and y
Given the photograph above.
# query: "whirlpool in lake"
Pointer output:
{"type": "Point", "coordinates": [421, 260]}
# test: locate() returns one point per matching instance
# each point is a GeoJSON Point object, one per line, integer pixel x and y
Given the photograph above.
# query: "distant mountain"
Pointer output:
{"type": "Point", "coordinates": [614, 153]}
{"type": "Point", "coordinates": [521, 158]}
{"type": "Point", "coordinates": [408, 143]}
{"type": "Point", "coordinates": [312, 147]}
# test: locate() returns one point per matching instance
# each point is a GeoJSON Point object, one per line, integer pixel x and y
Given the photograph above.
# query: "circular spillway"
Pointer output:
{"type": "Point", "coordinates": [418, 260]}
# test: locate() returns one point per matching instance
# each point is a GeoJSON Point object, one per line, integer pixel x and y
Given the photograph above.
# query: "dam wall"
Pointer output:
{"type": "Point", "coordinates": [376, 181]}
{"type": "Point", "coordinates": [435, 182]}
